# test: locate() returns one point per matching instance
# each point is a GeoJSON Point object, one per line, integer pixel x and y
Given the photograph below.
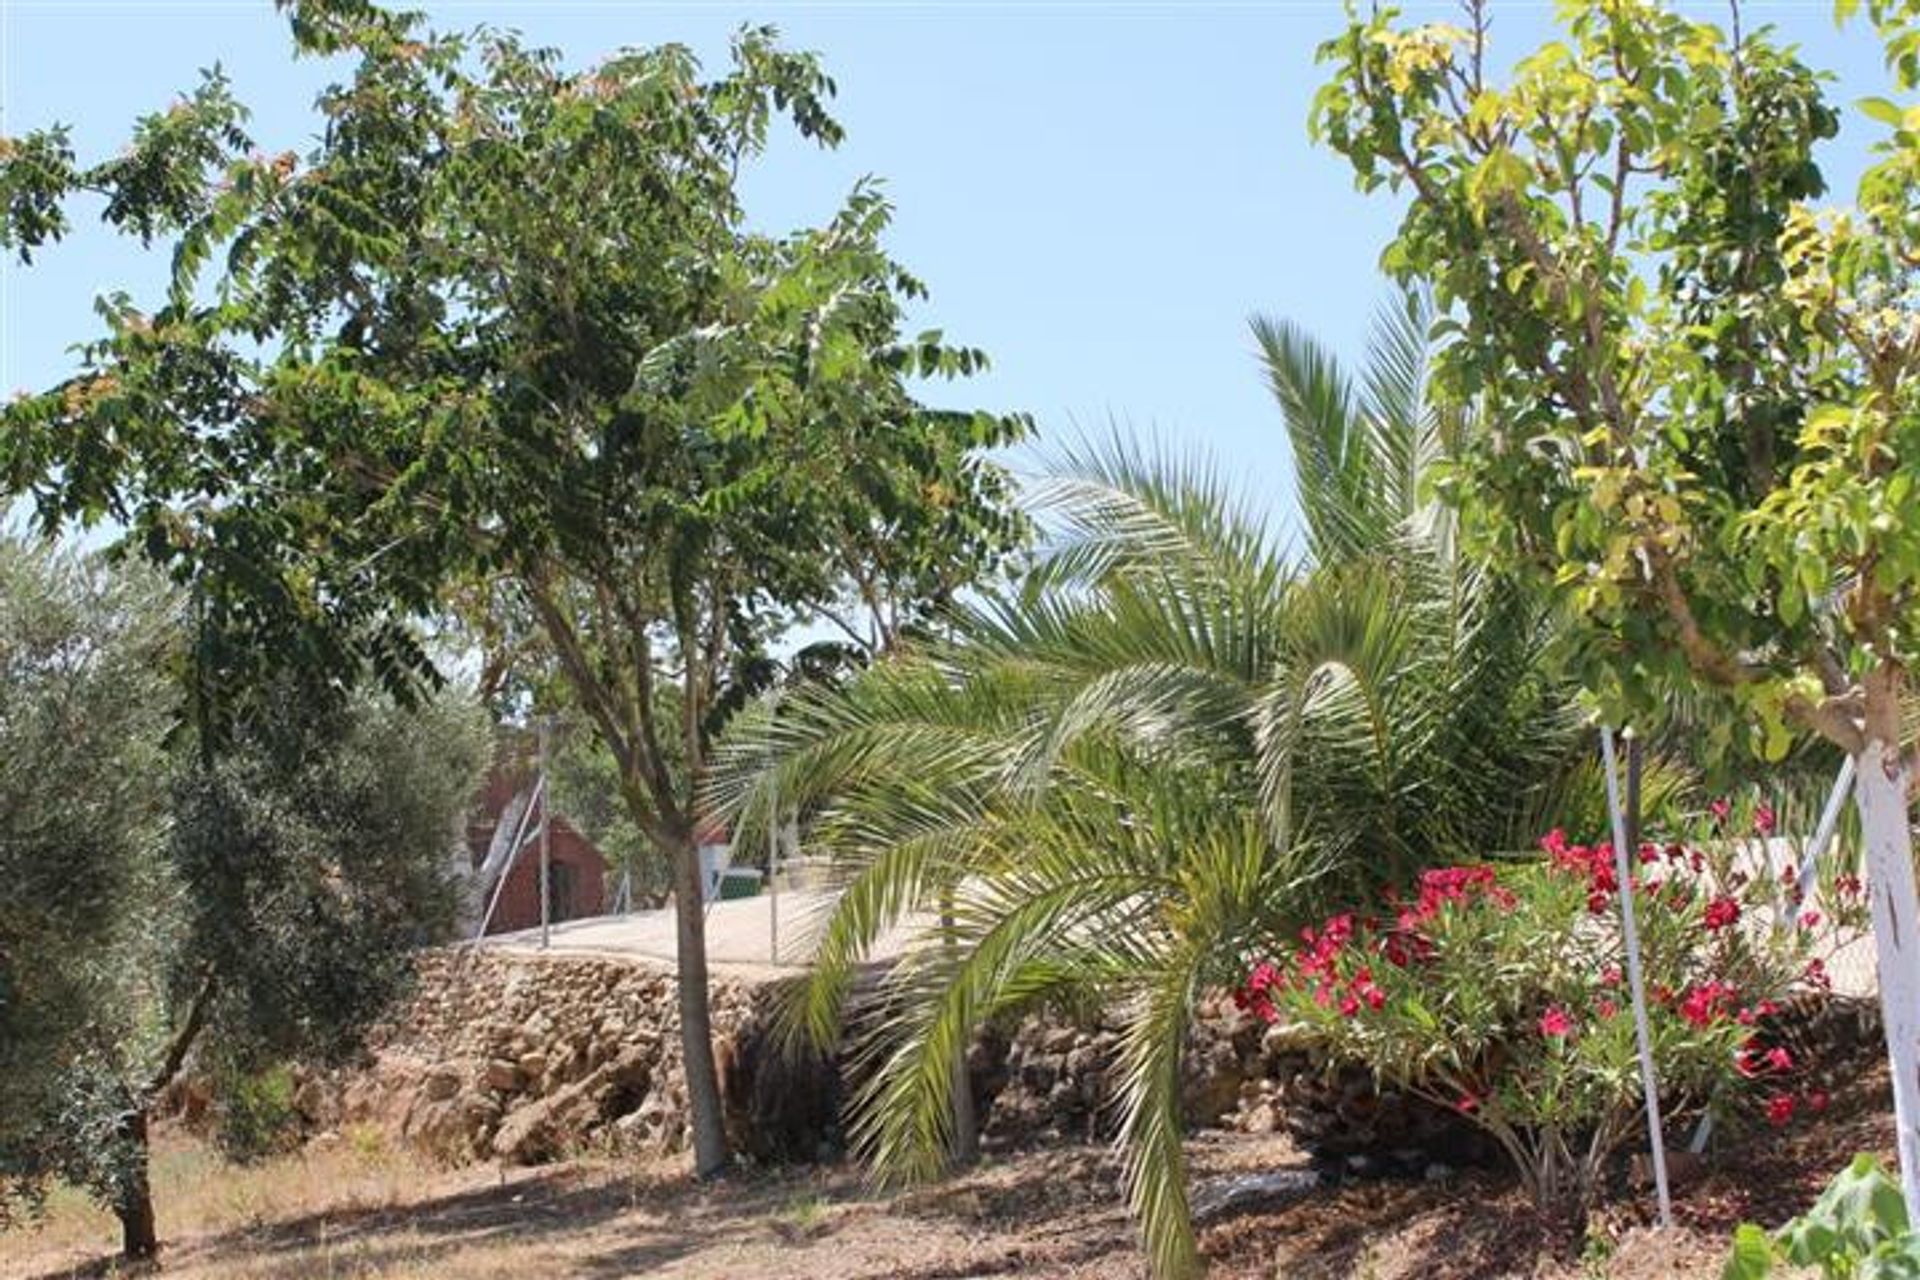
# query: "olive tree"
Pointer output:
{"type": "Point", "coordinates": [169, 904]}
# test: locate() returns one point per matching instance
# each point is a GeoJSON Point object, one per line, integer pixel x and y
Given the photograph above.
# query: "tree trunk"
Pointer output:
{"type": "Point", "coordinates": [1882, 799]}
{"type": "Point", "coordinates": [133, 1198]}
{"type": "Point", "coordinates": [696, 1023]}
{"type": "Point", "coordinates": [964, 1150]}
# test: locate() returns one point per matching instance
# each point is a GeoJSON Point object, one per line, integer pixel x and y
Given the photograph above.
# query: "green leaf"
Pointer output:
{"type": "Point", "coordinates": [1882, 110]}
{"type": "Point", "coordinates": [1752, 1257]}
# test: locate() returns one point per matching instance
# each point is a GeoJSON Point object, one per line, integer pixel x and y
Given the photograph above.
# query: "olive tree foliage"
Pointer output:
{"type": "Point", "coordinates": [168, 904]}
{"type": "Point", "coordinates": [84, 706]}
{"type": "Point", "coordinates": [1706, 388]}
{"type": "Point", "coordinates": [505, 326]}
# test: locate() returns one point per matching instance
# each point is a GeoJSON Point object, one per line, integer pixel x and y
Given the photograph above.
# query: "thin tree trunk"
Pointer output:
{"type": "Point", "coordinates": [696, 1024]}
{"type": "Point", "coordinates": [133, 1198]}
{"type": "Point", "coordinates": [965, 1148]}
{"type": "Point", "coordinates": [1882, 800]}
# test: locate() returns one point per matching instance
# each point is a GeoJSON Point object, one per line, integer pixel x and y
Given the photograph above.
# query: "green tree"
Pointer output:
{"type": "Point", "coordinates": [506, 323]}
{"type": "Point", "coordinates": [1171, 745]}
{"type": "Point", "coordinates": [84, 707]}
{"type": "Point", "coordinates": [1706, 387]}
{"type": "Point", "coordinates": [236, 909]}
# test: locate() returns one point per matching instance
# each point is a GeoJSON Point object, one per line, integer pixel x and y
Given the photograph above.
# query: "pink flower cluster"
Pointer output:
{"type": "Point", "coordinates": [1594, 863]}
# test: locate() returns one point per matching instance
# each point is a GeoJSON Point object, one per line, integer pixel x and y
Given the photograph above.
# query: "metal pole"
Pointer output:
{"type": "Point", "coordinates": [513, 857]}
{"type": "Point", "coordinates": [1829, 823]}
{"type": "Point", "coordinates": [1630, 939]}
{"type": "Point", "coordinates": [773, 882]}
{"type": "Point", "coordinates": [546, 872]}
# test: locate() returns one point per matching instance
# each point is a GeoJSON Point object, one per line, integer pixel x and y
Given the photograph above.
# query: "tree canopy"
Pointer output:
{"type": "Point", "coordinates": [1703, 385]}
{"type": "Point", "coordinates": [506, 326]}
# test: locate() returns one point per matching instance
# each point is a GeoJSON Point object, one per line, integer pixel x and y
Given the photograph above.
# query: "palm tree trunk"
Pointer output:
{"type": "Point", "coordinates": [965, 1148]}
{"type": "Point", "coordinates": [710, 1155]}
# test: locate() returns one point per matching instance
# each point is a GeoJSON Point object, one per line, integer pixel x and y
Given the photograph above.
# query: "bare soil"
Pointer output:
{"type": "Point", "coordinates": [354, 1208]}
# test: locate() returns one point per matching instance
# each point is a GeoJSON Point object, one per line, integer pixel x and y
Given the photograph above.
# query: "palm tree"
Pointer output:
{"type": "Point", "coordinates": [1173, 742]}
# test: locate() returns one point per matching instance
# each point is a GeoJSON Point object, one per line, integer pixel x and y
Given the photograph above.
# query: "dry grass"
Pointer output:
{"type": "Point", "coordinates": [356, 1208]}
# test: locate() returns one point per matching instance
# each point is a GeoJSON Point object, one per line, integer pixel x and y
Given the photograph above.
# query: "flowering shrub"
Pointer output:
{"type": "Point", "coordinates": [1501, 993]}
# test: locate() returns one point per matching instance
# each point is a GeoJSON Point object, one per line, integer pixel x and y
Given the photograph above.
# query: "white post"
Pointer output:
{"type": "Point", "coordinates": [1823, 833]}
{"type": "Point", "coordinates": [773, 882]}
{"type": "Point", "coordinates": [1881, 793]}
{"type": "Point", "coordinates": [1630, 939]}
{"type": "Point", "coordinates": [546, 873]}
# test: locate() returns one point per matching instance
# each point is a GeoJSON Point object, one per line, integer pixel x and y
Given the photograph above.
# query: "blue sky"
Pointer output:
{"type": "Point", "coordinates": [1097, 194]}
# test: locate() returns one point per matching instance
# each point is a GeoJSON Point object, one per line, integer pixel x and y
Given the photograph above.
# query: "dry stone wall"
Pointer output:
{"type": "Point", "coordinates": [524, 1057]}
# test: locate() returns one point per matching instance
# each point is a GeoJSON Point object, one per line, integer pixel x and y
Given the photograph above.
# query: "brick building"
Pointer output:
{"type": "Point", "coordinates": [577, 872]}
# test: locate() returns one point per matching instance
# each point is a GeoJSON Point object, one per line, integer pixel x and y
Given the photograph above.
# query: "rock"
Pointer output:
{"type": "Point", "coordinates": [543, 1130]}
{"type": "Point", "coordinates": [1218, 1197]}
{"type": "Point", "coordinates": [441, 1083]}
{"type": "Point", "coordinates": [532, 1065]}
{"type": "Point", "coordinates": [502, 1076]}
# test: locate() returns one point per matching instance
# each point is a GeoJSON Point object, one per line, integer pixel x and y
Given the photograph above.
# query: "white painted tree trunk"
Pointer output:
{"type": "Point", "coordinates": [1882, 796]}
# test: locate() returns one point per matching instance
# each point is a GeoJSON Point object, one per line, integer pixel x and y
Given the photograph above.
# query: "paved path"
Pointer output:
{"type": "Point", "coordinates": [740, 937]}
{"type": "Point", "coordinates": [740, 933]}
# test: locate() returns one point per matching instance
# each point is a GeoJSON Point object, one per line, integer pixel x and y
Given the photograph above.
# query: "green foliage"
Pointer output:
{"type": "Point", "coordinates": [254, 905]}
{"type": "Point", "coordinates": [1856, 1230]}
{"type": "Point", "coordinates": [314, 855]}
{"type": "Point", "coordinates": [1501, 994]}
{"type": "Point", "coordinates": [84, 704]}
{"type": "Point", "coordinates": [255, 1116]}
{"type": "Point", "coordinates": [1696, 375]}
{"type": "Point", "coordinates": [1169, 744]}
{"type": "Point", "coordinates": [505, 331]}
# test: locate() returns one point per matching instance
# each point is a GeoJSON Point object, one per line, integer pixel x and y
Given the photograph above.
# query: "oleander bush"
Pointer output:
{"type": "Point", "coordinates": [1501, 991]}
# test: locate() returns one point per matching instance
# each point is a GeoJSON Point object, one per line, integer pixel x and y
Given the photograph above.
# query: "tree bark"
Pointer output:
{"type": "Point", "coordinates": [1881, 794]}
{"type": "Point", "coordinates": [710, 1155]}
{"type": "Point", "coordinates": [964, 1150]}
{"type": "Point", "coordinates": [133, 1199]}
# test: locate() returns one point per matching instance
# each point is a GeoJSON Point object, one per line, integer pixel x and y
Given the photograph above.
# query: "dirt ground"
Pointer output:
{"type": "Point", "coordinates": [355, 1208]}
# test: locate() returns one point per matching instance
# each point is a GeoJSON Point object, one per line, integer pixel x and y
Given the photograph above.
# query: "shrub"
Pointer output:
{"type": "Point", "coordinates": [1857, 1230]}
{"type": "Point", "coordinates": [1500, 993]}
{"type": "Point", "coordinates": [255, 1114]}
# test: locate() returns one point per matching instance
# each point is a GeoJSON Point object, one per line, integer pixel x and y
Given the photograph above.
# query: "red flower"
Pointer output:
{"type": "Point", "coordinates": [1721, 912]}
{"type": "Point", "coordinates": [1606, 1008]}
{"type": "Point", "coordinates": [1555, 1022]}
{"type": "Point", "coordinates": [1849, 886]}
{"type": "Point", "coordinates": [1466, 1103]}
{"type": "Point", "coordinates": [1721, 810]}
{"type": "Point", "coordinates": [1809, 919]}
{"type": "Point", "coordinates": [1648, 854]}
{"type": "Point", "coordinates": [1817, 1101]}
{"type": "Point", "coordinates": [1764, 820]}
{"type": "Point", "coordinates": [1348, 1006]}
{"type": "Point", "coordinates": [1554, 843]}
{"type": "Point", "coordinates": [1610, 976]}
{"type": "Point", "coordinates": [1779, 1059]}
{"type": "Point", "coordinates": [1704, 1003]}
{"type": "Point", "coordinates": [1817, 974]}
{"type": "Point", "coordinates": [1780, 1109]}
